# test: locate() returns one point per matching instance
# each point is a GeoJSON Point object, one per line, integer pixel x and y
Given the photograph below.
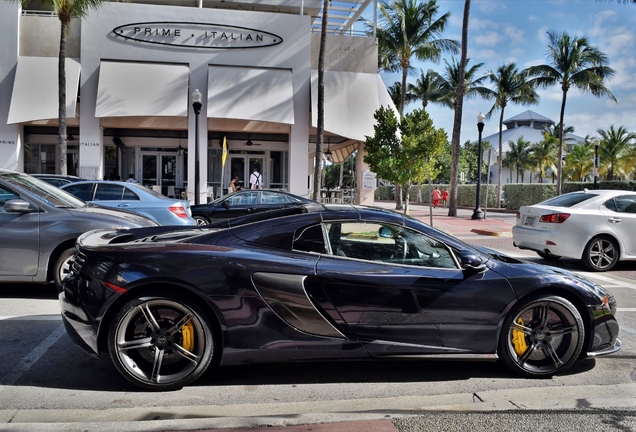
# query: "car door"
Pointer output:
{"type": "Point", "coordinates": [19, 238]}
{"type": "Point", "coordinates": [271, 201]}
{"type": "Point", "coordinates": [115, 195]}
{"type": "Point", "coordinates": [402, 292]}
{"type": "Point", "coordinates": [239, 204]}
{"type": "Point", "coordinates": [620, 216]}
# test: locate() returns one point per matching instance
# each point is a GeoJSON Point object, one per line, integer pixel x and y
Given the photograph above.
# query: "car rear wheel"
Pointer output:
{"type": "Point", "coordinates": [548, 257]}
{"type": "Point", "coordinates": [601, 254]}
{"type": "Point", "coordinates": [201, 220]}
{"type": "Point", "coordinates": [542, 337]}
{"type": "Point", "coordinates": [160, 343]}
{"type": "Point", "coordinates": [62, 265]}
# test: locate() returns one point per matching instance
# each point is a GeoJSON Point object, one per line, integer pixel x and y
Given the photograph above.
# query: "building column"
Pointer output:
{"type": "Point", "coordinates": [11, 136]}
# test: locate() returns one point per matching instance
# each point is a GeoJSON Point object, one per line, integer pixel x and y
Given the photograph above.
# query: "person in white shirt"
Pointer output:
{"type": "Point", "coordinates": [131, 179]}
{"type": "Point", "coordinates": [256, 180]}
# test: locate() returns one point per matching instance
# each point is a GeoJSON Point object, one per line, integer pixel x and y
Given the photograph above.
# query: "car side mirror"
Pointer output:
{"type": "Point", "coordinates": [17, 205]}
{"type": "Point", "coordinates": [384, 232]}
{"type": "Point", "coordinates": [225, 204]}
{"type": "Point", "coordinates": [471, 261]}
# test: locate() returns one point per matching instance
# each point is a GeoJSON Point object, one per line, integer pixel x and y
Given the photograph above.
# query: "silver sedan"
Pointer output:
{"type": "Point", "coordinates": [596, 226]}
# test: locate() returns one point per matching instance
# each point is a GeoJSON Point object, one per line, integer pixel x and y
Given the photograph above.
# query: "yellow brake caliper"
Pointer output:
{"type": "Point", "coordinates": [519, 339]}
{"type": "Point", "coordinates": [187, 333]}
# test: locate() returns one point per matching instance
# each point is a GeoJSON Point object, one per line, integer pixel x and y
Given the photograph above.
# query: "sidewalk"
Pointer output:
{"type": "Point", "coordinates": [498, 222]}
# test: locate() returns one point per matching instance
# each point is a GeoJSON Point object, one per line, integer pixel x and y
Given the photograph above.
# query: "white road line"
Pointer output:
{"type": "Point", "coordinates": [29, 360]}
{"type": "Point", "coordinates": [626, 309]}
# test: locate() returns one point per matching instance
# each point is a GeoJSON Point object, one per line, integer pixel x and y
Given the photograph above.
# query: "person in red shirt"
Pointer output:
{"type": "Point", "coordinates": [436, 195]}
{"type": "Point", "coordinates": [444, 197]}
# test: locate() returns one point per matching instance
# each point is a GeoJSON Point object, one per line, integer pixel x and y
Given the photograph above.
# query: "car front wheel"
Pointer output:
{"type": "Point", "coordinates": [542, 337]}
{"type": "Point", "coordinates": [601, 254]}
{"type": "Point", "coordinates": [160, 343]}
{"type": "Point", "coordinates": [62, 265]}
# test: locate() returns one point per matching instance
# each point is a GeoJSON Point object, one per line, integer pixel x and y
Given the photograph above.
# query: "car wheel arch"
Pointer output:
{"type": "Point", "coordinates": [168, 290]}
{"type": "Point", "coordinates": [556, 290]}
{"type": "Point", "coordinates": [55, 254]}
{"type": "Point", "coordinates": [607, 235]}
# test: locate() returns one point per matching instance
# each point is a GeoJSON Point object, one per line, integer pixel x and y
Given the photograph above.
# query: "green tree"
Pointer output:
{"type": "Point", "coordinates": [395, 91]}
{"type": "Point", "coordinates": [511, 86]}
{"type": "Point", "coordinates": [410, 29]}
{"type": "Point", "coordinates": [518, 157]}
{"type": "Point", "coordinates": [473, 86]}
{"type": "Point", "coordinates": [65, 10]}
{"type": "Point", "coordinates": [404, 152]}
{"type": "Point", "coordinates": [572, 62]}
{"type": "Point", "coordinates": [426, 89]}
{"type": "Point", "coordinates": [580, 161]}
{"type": "Point", "coordinates": [544, 155]}
{"type": "Point", "coordinates": [615, 143]}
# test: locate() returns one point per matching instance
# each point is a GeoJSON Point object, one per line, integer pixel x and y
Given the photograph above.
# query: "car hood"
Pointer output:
{"type": "Point", "coordinates": [118, 218]}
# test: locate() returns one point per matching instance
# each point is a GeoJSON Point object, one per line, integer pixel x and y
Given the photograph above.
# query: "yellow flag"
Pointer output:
{"type": "Point", "coordinates": [224, 152]}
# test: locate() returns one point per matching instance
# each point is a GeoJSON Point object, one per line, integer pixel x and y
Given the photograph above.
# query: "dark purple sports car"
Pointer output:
{"type": "Point", "coordinates": [315, 282]}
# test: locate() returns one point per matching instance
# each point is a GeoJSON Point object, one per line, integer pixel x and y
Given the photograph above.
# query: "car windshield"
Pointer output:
{"type": "Point", "coordinates": [568, 200]}
{"type": "Point", "coordinates": [44, 191]}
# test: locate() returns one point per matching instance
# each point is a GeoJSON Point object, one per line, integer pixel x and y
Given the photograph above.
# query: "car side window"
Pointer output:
{"type": "Point", "coordinates": [310, 239]}
{"type": "Point", "coordinates": [109, 192]}
{"type": "Point", "coordinates": [244, 198]}
{"type": "Point", "coordinates": [272, 198]}
{"type": "Point", "coordinates": [82, 191]}
{"type": "Point", "coordinates": [130, 195]}
{"type": "Point", "coordinates": [386, 243]}
{"type": "Point", "coordinates": [624, 204]}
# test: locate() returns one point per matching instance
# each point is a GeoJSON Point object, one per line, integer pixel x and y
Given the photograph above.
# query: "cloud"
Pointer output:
{"type": "Point", "coordinates": [490, 38]}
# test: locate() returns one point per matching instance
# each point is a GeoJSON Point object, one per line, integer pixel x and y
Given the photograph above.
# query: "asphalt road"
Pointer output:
{"type": "Point", "coordinates": [47, 384]}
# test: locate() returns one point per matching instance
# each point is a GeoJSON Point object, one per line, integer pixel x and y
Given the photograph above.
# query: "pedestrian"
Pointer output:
{"type": "Point", "coordinates": [131, 179]}
{"type": "Point", "coordinates": [436, 195]}
{"type": "Point", "coordinates": [444, 197]}
{"type": "Point", "coordinates": [235, 185]}
{"type": "Point", "coordinates": [256, 179]}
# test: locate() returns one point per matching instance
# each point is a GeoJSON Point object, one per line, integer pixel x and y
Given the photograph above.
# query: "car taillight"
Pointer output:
{"type": "Point", "coordinates": [179, 211]}
{"type": "Point", "coordinates": [555, 218]}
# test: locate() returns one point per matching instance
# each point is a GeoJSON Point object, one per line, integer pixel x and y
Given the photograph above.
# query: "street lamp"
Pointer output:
{"type": "Point", "coordinates": [596, 143]}
{"type": "Point", "coordinates": [477, 213]}
{"type": "Point", "coordinates": [196, 106]}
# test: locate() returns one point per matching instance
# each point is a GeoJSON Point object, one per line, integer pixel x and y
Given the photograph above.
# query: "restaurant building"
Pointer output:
{"type": "Point", "coordinates": [131, 72]}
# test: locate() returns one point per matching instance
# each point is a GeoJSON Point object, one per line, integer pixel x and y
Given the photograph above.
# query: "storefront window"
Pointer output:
{"type": "Point", "coordinates": [215, 166]}
{"type": "Point", "coordinates": [278, 170]}
{"type": "Point", "coordinates": [40, 159]}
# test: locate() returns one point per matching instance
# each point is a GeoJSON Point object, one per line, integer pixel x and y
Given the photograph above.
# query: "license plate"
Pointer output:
{"type": "Point", "coordinates": [529, 220]}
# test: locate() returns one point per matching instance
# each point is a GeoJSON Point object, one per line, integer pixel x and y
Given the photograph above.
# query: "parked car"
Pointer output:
{"type": "Point", "coordinates": [39, 224]}
{"type": "Point", "coordinates": [57, 179]}
{"type": "Point", "coordinates": [595, 226]}
{"type": "Point", "coordinates": [245, 202]}
{"type": "Point", "coordinates": [322, 282]}
{"type": "Point", "coordinates": [133, 197]}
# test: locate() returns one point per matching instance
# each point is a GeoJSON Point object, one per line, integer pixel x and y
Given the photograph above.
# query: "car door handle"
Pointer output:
{"type": "Point", "coordinates": [615, 220]}
{"type": "Point", "coordinates": [123, 205]}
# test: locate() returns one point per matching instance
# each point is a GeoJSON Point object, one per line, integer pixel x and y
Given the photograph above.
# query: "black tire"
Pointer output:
{"type": "Point", "coordinates": [62, 265]}
{"type": "Point", "coordinates": [201, 220]}
{"type": "Point", "coordinates": [601, 254]}
{"type": "Point", "coordinates": [542, 337]}
{"type": "Point", "coordinates": [548, 257]}
{"type": "Point", "coordinates": [160, 343]}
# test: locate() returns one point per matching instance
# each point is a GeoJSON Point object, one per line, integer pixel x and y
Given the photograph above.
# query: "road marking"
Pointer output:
{"type": "Point", "coordinates": [626, 309]}
{"type": "Point", "coordinates": [32, 318]}
{"type": "Point", "coordinates": [29, 360]}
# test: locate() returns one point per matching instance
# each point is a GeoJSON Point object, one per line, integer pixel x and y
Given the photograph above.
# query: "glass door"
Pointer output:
{"type": "Point", "coordinates": [149, 170]}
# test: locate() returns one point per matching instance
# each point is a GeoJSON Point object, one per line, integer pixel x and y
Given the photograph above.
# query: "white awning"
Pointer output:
{"type": "Point", "coordinates": [128, 89]}
{"type": "Point", "coordinates": [351, 99]}
{"type": "Point", "coordinates": [251, 94]}
{"type": "Point", "coordinates": [35, 89]}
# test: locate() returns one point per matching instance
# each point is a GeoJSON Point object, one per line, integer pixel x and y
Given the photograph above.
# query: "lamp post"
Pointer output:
{"type": "Point", "coordinates": [477, 213]}
{"type": "Point", "coordinates": [196, 106]}
{"type": "Point", "coordinates": [596, 143]}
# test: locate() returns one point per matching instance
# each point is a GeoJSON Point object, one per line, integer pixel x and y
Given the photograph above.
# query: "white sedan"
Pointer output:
{"type": "Point", "coordinates": [596, 226]}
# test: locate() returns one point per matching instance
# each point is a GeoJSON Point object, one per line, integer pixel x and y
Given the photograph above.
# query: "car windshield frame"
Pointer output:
{"type": "Point", "coordinates": [43, 191]}
{"type": "Point", "coordinates": [569, 200]}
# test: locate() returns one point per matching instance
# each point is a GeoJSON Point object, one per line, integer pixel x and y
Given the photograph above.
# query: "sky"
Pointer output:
{"type": "Point", "coordinates": [504, 31]}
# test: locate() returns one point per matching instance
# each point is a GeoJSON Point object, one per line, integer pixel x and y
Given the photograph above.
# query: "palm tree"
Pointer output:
{"type": "Point", "coordinates": [511, 86]}
{"type": "Point", "coordinates": [65, 10]}
{"type": "Point", "coordinates": [580, 161]}
{"type": "Point", "coordinates": [473, 87]}
{"type": "Point", "coordinates": [320, 127]}
{"type": "Point", "coordinates": [518, 156]}
{"type": "Point", "coordinates": [409, 28]}
{"type": "Point", "coordinates": [572, 62]}
{"type": "Point", "coordinates": [614, 144]}
{"type": "Point", "coordinates": [457, 118]}
{"type": "Point", "coordinates": [544, 154]}
{"type": "Point", "coordinates": [395, 91]}
{"type": "Point", "coordinates": [426, 89]}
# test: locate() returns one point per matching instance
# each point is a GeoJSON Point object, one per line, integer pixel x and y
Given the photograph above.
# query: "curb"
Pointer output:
{"type": "Point", "coordinates": [492, 233]}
